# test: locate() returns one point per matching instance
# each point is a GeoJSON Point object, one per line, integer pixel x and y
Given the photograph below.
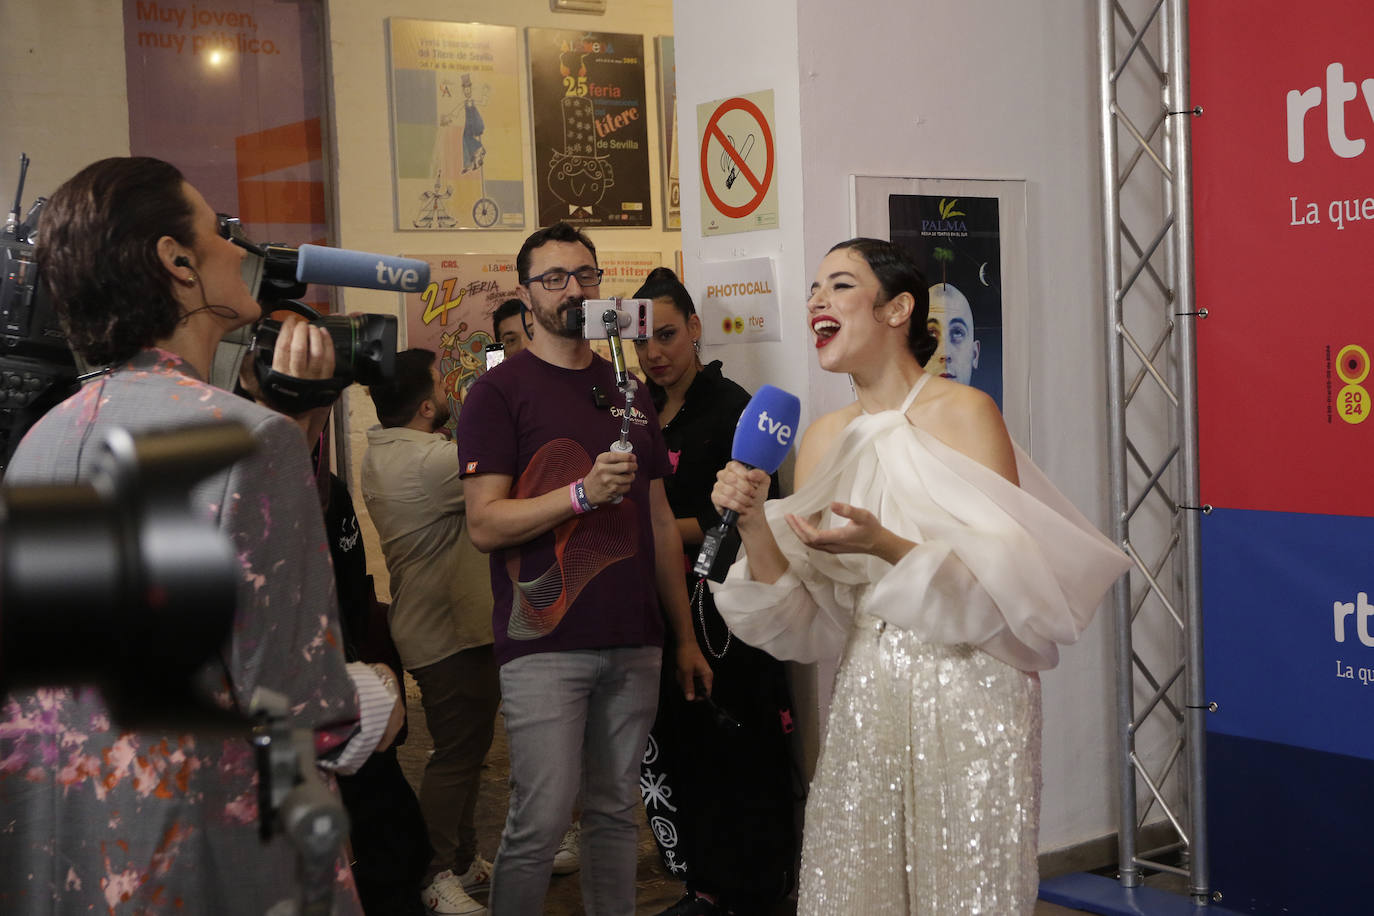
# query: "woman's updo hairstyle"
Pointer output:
{"type": "Point", "coordinates": [662, 283]}
{"type": "Point", "coordinates": [897, 273]}
{"type": "Point", "coordinates": [97, 252]}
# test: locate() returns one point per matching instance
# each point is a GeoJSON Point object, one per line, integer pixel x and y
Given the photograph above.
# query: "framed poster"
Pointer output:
{"type": "Point", "coordinates": [591, 130]}
{"type": "Point", "coordinates": [455, 121]}
{"type": "Point", "coordinates": [452, 316]}
{"type": "Point", "coordinates": [667, 131]}
{"type": "Point", "coordinates": [969, 238]}
{"type": "Point", "coordinates": [625, 271]}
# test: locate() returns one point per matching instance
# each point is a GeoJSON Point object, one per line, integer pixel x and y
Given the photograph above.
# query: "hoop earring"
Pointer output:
{"type": "Point", "coordinates": [696, 346]}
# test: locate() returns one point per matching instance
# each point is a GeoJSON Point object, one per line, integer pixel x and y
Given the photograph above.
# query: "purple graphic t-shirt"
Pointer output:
{"type": "Point", "coordinates": [588, 583]}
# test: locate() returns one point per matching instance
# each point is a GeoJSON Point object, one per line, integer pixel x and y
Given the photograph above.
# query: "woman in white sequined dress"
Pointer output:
{"type": "Point", "coordinates": [931, 555]}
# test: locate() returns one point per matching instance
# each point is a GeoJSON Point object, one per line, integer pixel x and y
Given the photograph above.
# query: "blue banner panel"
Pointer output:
{"type": "Point", "coordinates": [1288, 613]}
{"type": "Point", "coordinates": [1289, 828]}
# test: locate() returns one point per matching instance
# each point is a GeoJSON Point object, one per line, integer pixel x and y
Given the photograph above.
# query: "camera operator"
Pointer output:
{"type": "Point", "coordinates": [99, 815]}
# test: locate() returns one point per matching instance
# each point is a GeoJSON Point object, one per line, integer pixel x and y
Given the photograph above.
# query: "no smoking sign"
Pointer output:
{"type": "Point", "coordinates": [738, 190]}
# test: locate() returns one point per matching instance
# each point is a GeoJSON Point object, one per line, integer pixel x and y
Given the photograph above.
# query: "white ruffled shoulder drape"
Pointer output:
{"type": "Point", "coordinates": [1016, 571]}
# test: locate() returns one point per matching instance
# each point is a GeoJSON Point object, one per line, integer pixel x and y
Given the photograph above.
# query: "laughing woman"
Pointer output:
{"type": "Point", "coordinates": [927, 552]}
{"type": "Point", "coordinates": [726, 828]}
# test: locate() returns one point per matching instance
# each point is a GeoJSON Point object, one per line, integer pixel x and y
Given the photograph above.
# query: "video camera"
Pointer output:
{"type": "Point", "coordinates": [116, 581]}
{"type": "Point", "coordinates": [37, 368]}
{"type": "Point", "coordinates": [364, 345]}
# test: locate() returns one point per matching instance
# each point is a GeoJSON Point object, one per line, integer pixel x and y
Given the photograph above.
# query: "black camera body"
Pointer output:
{"type": "Point", "coordinates": [364, 352]}
{"type": "Point", "coordinates": [37, 368]}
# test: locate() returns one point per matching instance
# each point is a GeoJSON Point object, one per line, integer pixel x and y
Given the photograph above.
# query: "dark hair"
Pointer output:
{"type": "Point", "coordinates": [897, 273]}
{"type": "Point", "coordinates": [558, 232]}
{"type": "Point", "coordinates": [398, 398]}
{"type": "Point", "coordinates": [97, 251]}
{"type": "Point", "coordinates": [507, 309]}
{"type": "Point", "coordinates": [662, 283]}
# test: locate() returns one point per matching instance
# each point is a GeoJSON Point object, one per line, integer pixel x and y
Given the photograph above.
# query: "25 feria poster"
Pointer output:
{"type": "Point", "coordinates": [591, 128]}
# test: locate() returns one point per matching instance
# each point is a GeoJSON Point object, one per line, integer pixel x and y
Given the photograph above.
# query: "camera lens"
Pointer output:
{"type": "Point", "coordinates": [364, 345]}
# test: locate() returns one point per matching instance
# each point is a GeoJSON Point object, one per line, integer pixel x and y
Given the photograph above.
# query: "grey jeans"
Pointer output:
{"type": "Point", "coordinates": [574, 719]}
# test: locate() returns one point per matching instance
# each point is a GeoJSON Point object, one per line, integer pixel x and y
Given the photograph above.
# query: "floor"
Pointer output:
{"type": "Point", "coordinates": [655, 890]}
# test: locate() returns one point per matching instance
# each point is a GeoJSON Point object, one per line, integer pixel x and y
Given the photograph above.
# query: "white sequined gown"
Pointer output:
{"type": "Point", "coordinates": [926, 796]}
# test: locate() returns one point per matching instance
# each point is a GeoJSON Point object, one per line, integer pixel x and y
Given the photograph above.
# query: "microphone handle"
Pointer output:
{"type": "Point", "coordinates": [710, 545]}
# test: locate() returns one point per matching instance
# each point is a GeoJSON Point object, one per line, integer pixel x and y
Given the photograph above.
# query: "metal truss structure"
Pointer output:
{"type": "Point", "coordinates": [1143, 53]}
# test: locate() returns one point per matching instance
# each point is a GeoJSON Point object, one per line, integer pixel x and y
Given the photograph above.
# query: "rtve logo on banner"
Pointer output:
{"type": "Point", "coordinates": [1339, 91]}
{"type": "Point", "coordinates": [1342, 611]}
{"type": "Point", "coordinates": [1351, 403]}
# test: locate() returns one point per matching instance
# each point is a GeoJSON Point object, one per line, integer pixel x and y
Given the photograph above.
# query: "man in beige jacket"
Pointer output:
{"type": "Point", "coordinates": [440, 614]}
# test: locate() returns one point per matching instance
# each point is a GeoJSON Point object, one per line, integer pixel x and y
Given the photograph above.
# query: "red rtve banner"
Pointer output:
{"type": "Point", "coordinates": [1283, 198]}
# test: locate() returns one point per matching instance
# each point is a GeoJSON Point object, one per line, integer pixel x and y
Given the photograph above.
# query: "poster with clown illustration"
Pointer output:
{"type": "Point", "coordinates": [591, 128]}
{"type": "Point", "coordinates": [452, 317]}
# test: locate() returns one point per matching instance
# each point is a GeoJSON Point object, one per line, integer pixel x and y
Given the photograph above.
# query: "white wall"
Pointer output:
{"type": "Point", "coordinates": [723, 50]}
{"type": "Point", "coordinates": [62, 92]}
{"type": "Point", "coordinates": [958, 90]}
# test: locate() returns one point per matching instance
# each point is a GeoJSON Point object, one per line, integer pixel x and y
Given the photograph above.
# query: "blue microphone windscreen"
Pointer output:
{"type": "Point", "coordinates": [766, 428]}
{"type": "Point", "coordinates": [360, 269]}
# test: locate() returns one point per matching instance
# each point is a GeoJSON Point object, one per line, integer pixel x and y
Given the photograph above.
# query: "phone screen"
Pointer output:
{"type": "Point", "coordinates": [495, 353]}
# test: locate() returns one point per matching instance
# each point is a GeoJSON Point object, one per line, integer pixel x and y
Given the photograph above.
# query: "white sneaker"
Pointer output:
{"type": "Point", "coordinates": [568, 859]}
{"type": "Point", "coordinates": [445, 897]}
{"type": "Point", "coordinates": [478, 876]}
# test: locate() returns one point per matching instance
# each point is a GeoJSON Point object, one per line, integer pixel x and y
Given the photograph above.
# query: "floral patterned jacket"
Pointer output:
{"type": "Point", "coordinates": [96, 815]}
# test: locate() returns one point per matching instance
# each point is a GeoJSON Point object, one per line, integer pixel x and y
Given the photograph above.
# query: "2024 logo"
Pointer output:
{"type": "Point", "coordinates": [1352, 367]}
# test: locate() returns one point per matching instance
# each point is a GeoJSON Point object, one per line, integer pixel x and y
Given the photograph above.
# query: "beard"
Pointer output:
{"type": "Point", "coordinates": [442, 413]}
{"type": "Point", "coordinates": [555, 321]}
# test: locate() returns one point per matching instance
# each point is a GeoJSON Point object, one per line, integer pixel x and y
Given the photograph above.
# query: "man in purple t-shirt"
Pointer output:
{"type": "Point", "coordinates": [581, 584]}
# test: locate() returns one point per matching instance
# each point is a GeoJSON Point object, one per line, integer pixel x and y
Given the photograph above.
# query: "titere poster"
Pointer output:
{"type": "Point", "coordinates": [452, 316]}
{"type": "Point", "coordinates": [956, 241]}
{"type": "Point", "coordinates": [591, 128]}
{"type": "Point", "coordinates": [455, 102]}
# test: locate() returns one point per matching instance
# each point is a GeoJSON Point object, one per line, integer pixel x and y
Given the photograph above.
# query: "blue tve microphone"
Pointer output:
{"type": "Point", "coordinates": [360, 269]}
{"type": "Point", "coordinates": [762, 437]}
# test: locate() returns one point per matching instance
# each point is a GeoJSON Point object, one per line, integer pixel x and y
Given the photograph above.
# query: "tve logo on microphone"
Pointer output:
{"type": "Point", "coordinates": [406, 279]}
{"type": "Point", "coordinates": [778, 429]}
{"type": "Point", "coordinates": [765, 428]}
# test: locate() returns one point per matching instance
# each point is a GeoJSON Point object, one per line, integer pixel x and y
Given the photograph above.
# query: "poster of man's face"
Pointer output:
{"type": "Point", "coordinates": [956, 241]}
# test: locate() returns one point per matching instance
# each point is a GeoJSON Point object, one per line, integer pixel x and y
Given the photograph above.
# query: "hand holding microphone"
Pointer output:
{"type": "Point", "coordinates": [762, 438]}
{"type": "Point", "coordinates": [741, 490]}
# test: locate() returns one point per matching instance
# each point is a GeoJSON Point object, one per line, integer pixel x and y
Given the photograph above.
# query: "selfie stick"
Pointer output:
{"type": "Point", "coordinates": [611, 320]}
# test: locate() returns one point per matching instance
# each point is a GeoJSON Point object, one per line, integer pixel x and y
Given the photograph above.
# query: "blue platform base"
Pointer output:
{"type": "Point", "coordinates": [1097, 894]}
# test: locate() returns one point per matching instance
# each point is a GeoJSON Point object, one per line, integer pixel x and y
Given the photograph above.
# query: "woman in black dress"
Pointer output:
{"type": "Point", "coordinates": [718, 776]}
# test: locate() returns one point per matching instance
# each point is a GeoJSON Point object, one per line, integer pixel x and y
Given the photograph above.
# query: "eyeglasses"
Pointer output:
{"type": "Point", "coordinates": [558, 278]}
